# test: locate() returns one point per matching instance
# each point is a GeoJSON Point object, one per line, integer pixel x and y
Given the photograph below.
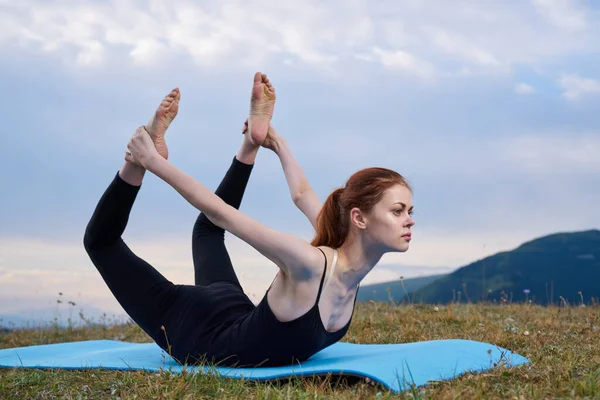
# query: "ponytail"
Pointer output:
{"type": "Point", "coordinates": [332, 226]}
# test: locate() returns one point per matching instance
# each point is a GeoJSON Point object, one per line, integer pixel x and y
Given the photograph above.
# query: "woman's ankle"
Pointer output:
{"type": "Point", "coordinates": [132, 174]}
{"type": "Point", "coordinates": [247, 153]}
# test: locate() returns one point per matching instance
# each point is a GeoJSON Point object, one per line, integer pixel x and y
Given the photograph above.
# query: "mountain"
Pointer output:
{"type": "Point", "coordinates": [397, 289]}
{"type": "Point", "coordinates": [541, 270]}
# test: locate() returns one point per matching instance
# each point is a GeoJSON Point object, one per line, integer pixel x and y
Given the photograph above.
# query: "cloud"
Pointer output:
{"type": "Point", "coordinates": [472, 157]}
{"type": "Point", "coordinates": [398, 59]}
{"type": "Point", "coordinates": [575, 87]}
{"type": "Point", "coordinates": [208, 33]}
{"type": "Point", "coordinates": [450, 39]}
{"type": "Point", "coordinates": [148, 51]}
{"type": "Point", "coordinates": [524, 89]}
{"type": "Point", "coordinates": [458, 45]}
{"type": "Point", "coordinates": [565, 14]}
{"type": "Point", "coordinates": [550, 154]}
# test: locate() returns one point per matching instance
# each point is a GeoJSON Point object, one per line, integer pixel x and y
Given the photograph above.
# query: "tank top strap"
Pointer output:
{"type": "Point", "coordinates": [322, 277]}
{"type": "Point", "coordinates": [333, 264]}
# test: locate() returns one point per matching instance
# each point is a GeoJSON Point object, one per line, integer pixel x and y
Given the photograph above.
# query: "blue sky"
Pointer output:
{"type": "Point", "coordinates": [490, 109]}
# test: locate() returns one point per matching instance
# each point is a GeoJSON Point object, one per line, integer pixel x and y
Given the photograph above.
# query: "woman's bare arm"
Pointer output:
{"type": "Point", "coordinates": [296, 258]}
{"type": "Point", "coordinates": [303, 195]}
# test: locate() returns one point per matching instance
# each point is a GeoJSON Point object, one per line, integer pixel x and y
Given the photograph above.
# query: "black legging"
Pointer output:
{"type": "Point", "coordinates": [144, 293]}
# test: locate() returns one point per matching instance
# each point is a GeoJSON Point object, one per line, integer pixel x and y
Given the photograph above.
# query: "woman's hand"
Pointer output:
{"type": "Point", "coordinates": [271, 141]}
{"type": "Point", "coordinates": [141, 148]}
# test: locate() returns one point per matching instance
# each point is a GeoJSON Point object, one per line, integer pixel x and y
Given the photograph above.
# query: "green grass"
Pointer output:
{"type": "Point", "coordinates": [563, 343]}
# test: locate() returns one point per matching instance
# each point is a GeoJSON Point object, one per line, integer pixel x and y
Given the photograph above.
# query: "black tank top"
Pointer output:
{"type": "Point", "coordinates": [258, 338]}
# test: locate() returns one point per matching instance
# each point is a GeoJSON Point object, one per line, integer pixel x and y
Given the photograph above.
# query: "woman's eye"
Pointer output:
{"type": "Point", "coordinates": [401, 210]}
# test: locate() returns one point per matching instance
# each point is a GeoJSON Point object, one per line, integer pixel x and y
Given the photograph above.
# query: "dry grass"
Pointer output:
{"type": "Point", "coordinates": [563, 344]}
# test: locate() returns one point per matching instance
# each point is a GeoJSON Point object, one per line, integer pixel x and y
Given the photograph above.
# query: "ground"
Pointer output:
{"type": "Point", "coordinates": [563, 344]}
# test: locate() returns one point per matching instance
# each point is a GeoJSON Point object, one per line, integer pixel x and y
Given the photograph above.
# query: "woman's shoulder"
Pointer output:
{"type": "Point", "coordinates": [329, 253]}
{"type": "Point", "coordinates": [314, 271]}
{"type": "Point", "coordinates": [324, 249]}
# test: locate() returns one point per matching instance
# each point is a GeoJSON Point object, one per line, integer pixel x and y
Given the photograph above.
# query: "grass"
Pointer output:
{"type": "Point", "coordinates": [562, 342]}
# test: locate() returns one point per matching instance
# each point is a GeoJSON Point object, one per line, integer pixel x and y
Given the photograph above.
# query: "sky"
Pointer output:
{"type": "Point", "coordinates": [489, 109]}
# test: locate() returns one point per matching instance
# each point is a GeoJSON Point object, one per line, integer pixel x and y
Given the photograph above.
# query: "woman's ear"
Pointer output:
{"type": "Point", "coordinates": [357, 218]}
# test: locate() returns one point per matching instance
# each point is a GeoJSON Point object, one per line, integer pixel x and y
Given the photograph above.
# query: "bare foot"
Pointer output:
{"type": "Point", "coordinates": [162, 118]}
{"type": "Point", "coordinates": [262, 103]}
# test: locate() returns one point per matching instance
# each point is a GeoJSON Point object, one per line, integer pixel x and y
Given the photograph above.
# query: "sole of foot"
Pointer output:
{"type": "Point", "coordinates": [162, 118]}
{"type": "Point", "coordinates": [262, 104]}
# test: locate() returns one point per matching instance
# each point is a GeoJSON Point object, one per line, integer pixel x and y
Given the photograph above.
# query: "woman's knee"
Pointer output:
{"type": "Point", "coordinates": [91, 243]}
{"type": "Point", "coordinates": [88, 242]}
{"type": "Point", "coordinates": [204, 226]}
{"type": "Point", "coordinates": [96, 236]}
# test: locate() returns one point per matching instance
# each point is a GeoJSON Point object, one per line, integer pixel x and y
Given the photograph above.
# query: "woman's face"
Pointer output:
{"type": "Point", "coordinates": [390, 222]}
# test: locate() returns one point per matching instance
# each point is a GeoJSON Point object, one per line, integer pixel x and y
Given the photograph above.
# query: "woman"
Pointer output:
{"type": "Point", "coordinates": [310, 303]}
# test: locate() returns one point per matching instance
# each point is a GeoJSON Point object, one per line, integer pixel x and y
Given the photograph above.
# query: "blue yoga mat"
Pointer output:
{"type": "Point", "coordinates": [396, 366]}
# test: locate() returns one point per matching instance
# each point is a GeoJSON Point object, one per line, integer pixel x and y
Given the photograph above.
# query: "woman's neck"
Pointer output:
{"type": "Point", "coordinates": [355, 261]}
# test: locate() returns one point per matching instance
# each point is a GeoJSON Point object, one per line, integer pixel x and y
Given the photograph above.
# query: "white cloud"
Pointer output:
{"type": "Point", "coordinates": [524, 89]}
{"type": "Point", "coordinates": [460, 46]}
{"type": "Point", "coordinates": [565, 14]}
{"type": "Point", "coordinates": [420, 38]}
{"type": "Point", "coordinates": [148, 51]}
{"type": "Point", "coordinates": [398, 59]}
{"type": "Point", "coordinates": [92, 53]}
{"type": "Point", "coordinates": [209, 33]}
{"type": "Point", "coordinates": [532, 155]}
{"type": "Point", "coordinates": [550, 154]}
{"type": "Point", "coordinates": [575, 87]}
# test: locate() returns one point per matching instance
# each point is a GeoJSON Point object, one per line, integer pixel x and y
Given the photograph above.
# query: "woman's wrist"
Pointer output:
{"type": "Point", "coordinates": [279, 144]}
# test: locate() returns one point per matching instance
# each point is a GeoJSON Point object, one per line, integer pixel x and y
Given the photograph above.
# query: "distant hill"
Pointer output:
{"type": "Point", "coordinates": [394, 290]}
{"type": "Point", "coordinates": [561, 264]}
